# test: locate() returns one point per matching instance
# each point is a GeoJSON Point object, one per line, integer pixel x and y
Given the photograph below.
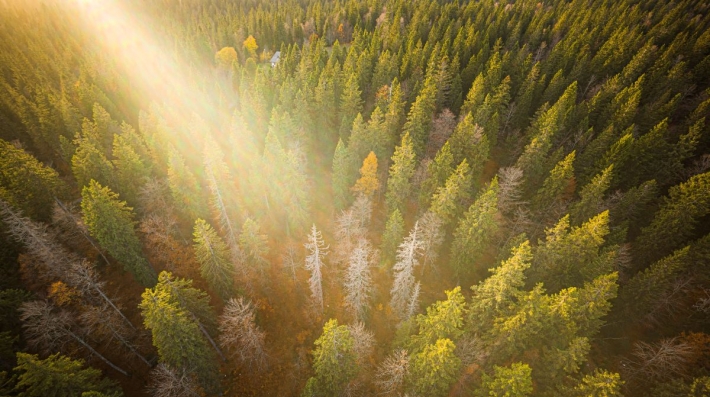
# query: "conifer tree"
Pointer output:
{"type": "Point", "coordinates": [600, 383]}
{"type": "Point", "coordinates": [469, 142]}
{"type": "Point", "coordinates": [448, 199]}
{"type": "Point", "coordinates": [350, 106]}
{"type": "Point", "coordinates": [89, 163]}
{"type": "Point", "coordinates": [443, 319]}
{"type": "Point", "coordinates": [341, 175]}
{"type": "Point", "coordinates": [515, 381]}
{"type": "Point", "coordinates": [677, 218]}
{"type": "Point", "coordinates": [434, 369]}
{"type": "Point", "coordinates": [213, 256]}
{"type": "Point", "coordinates": [395, 116]}
{"type": "Point", "coordinates": [392, 237]}
{"type": "Point", "coordinates": [420, 117]}
{"type": "Point", "coordinates": [176, 333]}
{"type": "Point", "coordinates": [475, 230]}
{"type": "Point", "coordinates": [368, 183]}
{"type": "Point", "coordinates": [185, 189]}
{"type": "Point", "coordinates": [558, 186]}
{"type": "Point", "coordinates": [60, 376]}
{"type": "Point", "coordinates": [401, 171]}
{"type": "Point", "coordinates": [26, 183]}
{"type": "Point", "coordinates": [334, 361]}
{"type": "Point", "coordinates": [218, 181]}
{"type": "Point", "coordinates": [438, 171]}
{"type": "Point", "coordinates": [110, 222]}
{"type": "Point", "coordinates": [131, 170]}
{"type": "Point", "coordinates": [253, 244]}
{"type": "Point", "coordinates": [591, 197]}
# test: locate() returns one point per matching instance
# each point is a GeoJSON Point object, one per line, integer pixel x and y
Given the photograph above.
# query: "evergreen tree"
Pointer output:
{"type": "Point", "coordinates": [677, 218]}
{"type": "Point", "coordinates": [60, 376]}
{"type": "Point", "coordinates": [599, 384]}
{"type": "Point", "coordinates": [90, 163]}
{"type": "Point", "coordinates": [253, 244]}
{"type": "Point", "coordinates": [26, 183]}
{"type": "Point", "coordinates": [213, 256]}
{"type": "Point", "coordinates": [470, 143]}
{"type": "Point", "coordinates": [392, 237]}
{"type": "Point", "coordinates": [341, 175]}
{"type": "Point", "coordinates": [434, 369]}
{"type": "Point", "coordinates": [420, 117]}
{"type": "Point", "coordinates": [475, 230]}
{"type": "Point", "coordinates": [350, 106]}
{"type": "Point", "coordinates": [110, 222]}
{"type": "Point", "coordinates": [399, 184]}
{"type": "Point", "coordinates": [131, 170]}
{"type": "Point", "coordinates": [185, 189]}
{"type": "Point", "coordinates": [176, 332]}
{"type": "Point", "coordinates": [443, 320]}
{"type": "Point", "coordinates": [449, 199]}
{"type": "Point", "coordinates": [218, 181]}
{"type": "Point", "coordinates": [334, 361]}
{"type": "Point", "coordinates": [591, 197]}
{"type": "Point", "coordinates": [515, 381]}
{"type": "Point", "coordinates": [558, 186]}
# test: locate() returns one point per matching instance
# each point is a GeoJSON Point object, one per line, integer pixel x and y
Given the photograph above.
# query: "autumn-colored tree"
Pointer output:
{"type": "Point", "coordinates": [250, 46]}
{"type": "Point", "coordinates": [225, 57]}
{"type": "Point", "coordinates": [368, 182]}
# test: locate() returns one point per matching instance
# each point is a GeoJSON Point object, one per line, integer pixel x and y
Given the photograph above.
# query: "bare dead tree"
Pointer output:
{"type": "Point", "coordinates": [432, 236]}
{"type": "Point", "coordinates": [348, 230]}
{"type": "Point", "coordinates": [102, 321]}
{"type": "Point", "coordinates": [159, 231]}
{"type": "Point", "coordinates": [48, 330]}
{"type": "Point", "coordinates": [392, 373]}
{"type": "Point", "coordinates": [82, 277]}
{"type": "Point", "coordinates": [442, 128]}
{"type": "Point", "coordinates": [240, 334]}
{"type": "Point", "coordinates": [510, 189]}
{"type": "Point", "coordinates": [664, 360]}
{"type": "Point", "coordinates": [358, 279]}
{"type": "Point", "coordinates": [362, 211]}
{"type": "Point", "coordinates": [289, 260]}
{"type": "Point", "coordinates": [169, 382]}
{"type": "Point", "coordinates": [39, 241]}
{"type": "Point", "coordinates": [364, 342]}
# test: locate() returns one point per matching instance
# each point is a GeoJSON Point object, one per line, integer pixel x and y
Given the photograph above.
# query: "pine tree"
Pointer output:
{"type": "Point", "coordinates": [334, 361]}
{"type": "Point", "coordinates": [253, 244]}
{"type": "Point", "coordinates": [350, 106]}
{"type": "Point", "coordinates": [401, 171]}
{"type": "Point", "coordinates": [392, 237]}
{"type": "Point", "coordinates": [420, 117]}
{"type": "Point", "coordinates": [591, 197]}
{"type": "Point", "coordinates": [185, 189]}
{"type": "Point", "coordinates": [368, 183]}
{"type": "Point", "coordinates": [131, 170]}
{"type": "Point", "coordinates": [176, 331]}
{"type": "Point", "coordinates": [469, 142]}
{"type": "Point", "coordinates": [515, 381]}
{"type": "Point", "coordinates": [676, 220]}
{"type": "Point", "coordinates": [89, 163]}
{"type": "Point", "coordinates": [434, 369]}
{"type": "Point", "coordinates": [449, 199]}
{"type": "Point", "coordinates": [475, 231]}
{"type": "Point", "coordinates": [213, 256]}
{"type": "Point", "coordinates": [314, 264]}
{"type": "Point", "coordinates": [218, 181]}
{"type": "Point", "coordinates": [110, 222]}
{"type": "Point", "coordinates": [26, 183]}
{"type": "Point", "coordinates": [443, 320]}
{"type": "Point", "coordinates": [438, 171]}
{"type": "Point", "coordinates": [341, 175]}
{"type": "Point", "coordinates": [60, 376]}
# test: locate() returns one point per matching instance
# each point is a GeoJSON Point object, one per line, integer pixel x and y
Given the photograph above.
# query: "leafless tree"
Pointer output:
{"type": "Point", "coordinates": [82, 276]}
{"type": "Point", "coordinates": [152, 198]}
{"type": "Point", "coordinates": [169, 382]}
{"type": "Point", "coordinates": [442, 128]}
{"type": "Point", "coordinates": [240, 334]}
{"type": "Point", "coordinates": [101, 320]}
{"type": "Point", "coordinates": [392, 373]}
{"type": "Point", "coordinates": [314, 263]}
{"type": "Point", "coordinates": [404, 282]}
{"type": "Point", "coordinates": [362, 211]}
{"type": "Point", "coordinates": [49, 330]}
{"type": "Point", "coordinates": [510, 189]}
{"type": "Point", "coordinates": [364, 342]}
{"type": "Point", "coordinates": [660, 361]}
{"type": "Point", "coordinates": [348, 230]}
{"type": "Point", "coordinates": [39, 241]}
{"type": "Point", "coordinates": [289, 260]}
{"type": "Point", "coordinates": [432, 236]}
{"type": "Point", "coordinates": [358, 280]}
{"type": "Point", "coordinates": [413, 305]}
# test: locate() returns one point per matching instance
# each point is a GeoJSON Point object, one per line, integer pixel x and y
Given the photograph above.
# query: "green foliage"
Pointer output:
{"type": "Point", "coordinates": [558, 186]}
{"type": "Point", "coordinates": [599, 384]}
{"type": "Point", "coordinates": [341, 175]}
{"type": "Point", "coordinates": [110, 222]}
{"type": "Point", "coordinates": [515, 381]}
{"type": "Point", "coordinates": [449, 199]}
{"type": "Point", "coordinates": [475, 231]}
{"type": "Point", "coordinates": [399, 184]}
{"type": "Point", "coordinates": [26, 183]}
{"type": "Point", "coordinates": [168, 311]}
{"type": "Point", "coordinates": [254, 244]}
{"type": "Point", "coordinates": [213, 255]}
{"type": "Point", "coordinates": [420, 117]}
{"type": "Point", "coordinates": [434, 369]}
{"type": "Point", "coordinates": [443, 320]}
{"type": "Point", "coordinates": [334, 361]}
{"type": "Point", "coordinates": [185, 189]}
{"type": "Point", "coordinates": [59, 376]}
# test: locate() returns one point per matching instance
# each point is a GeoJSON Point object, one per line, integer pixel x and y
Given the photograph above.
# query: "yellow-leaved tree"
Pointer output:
{"type": "Point", "coordinates": [368, 182]}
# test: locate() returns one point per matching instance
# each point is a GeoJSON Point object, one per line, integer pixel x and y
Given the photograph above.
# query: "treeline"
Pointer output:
{"type": "Point", "coordinates": [418, 198]}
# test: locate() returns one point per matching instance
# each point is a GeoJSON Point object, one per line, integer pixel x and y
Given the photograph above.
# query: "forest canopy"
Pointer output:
{"type": "Point", "coordinates": [354, 198]}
